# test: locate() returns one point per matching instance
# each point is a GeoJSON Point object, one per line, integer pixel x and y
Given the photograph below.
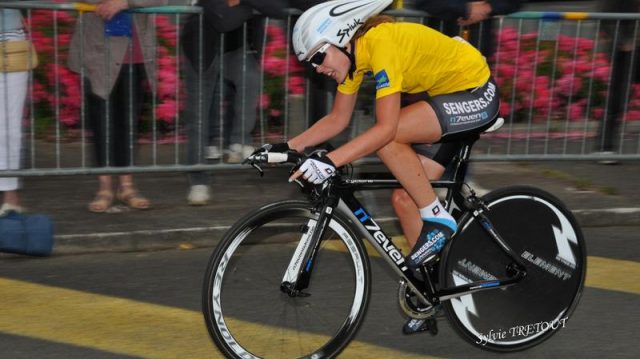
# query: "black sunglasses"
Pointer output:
{"type": "Point", "coordinates": [318, 57]}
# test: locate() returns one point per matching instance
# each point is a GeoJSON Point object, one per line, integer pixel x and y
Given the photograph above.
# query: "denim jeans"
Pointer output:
{"type": "Point", "coordinates": [240, 97]}
{"type": "Point", "coordinates": [200, 92]}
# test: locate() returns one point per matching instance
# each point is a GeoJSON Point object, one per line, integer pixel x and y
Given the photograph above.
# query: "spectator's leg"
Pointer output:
{"type": "Point", "coordinates": [199, 91]}
{"type": "Point", "coordinates": [221, 114]}
{"type": "Point", "coordinates": [129, 109]}
{"type": "Point", "coordinates": [246, 78]}
{"type": "Point", "coordinates": [247, 85]}
{"type": "Point", "coordinates": [126, 108]}
{"type": "Point", "coordinates": [96, 110]}
{"type": "Point", "coordinates": [13, 90]}
{"type": "Point", "coordinates": [100, 126]}
{"type": "Point", "coordinates": [321, 89]}
{"type": "Point", "coordinates": [616, 101]}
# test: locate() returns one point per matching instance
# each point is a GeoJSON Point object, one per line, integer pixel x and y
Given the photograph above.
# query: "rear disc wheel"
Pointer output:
{"type": "Point", "coordinates": [547, 238]}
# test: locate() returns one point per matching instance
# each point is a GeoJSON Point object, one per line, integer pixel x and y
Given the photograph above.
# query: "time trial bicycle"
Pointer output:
{"type": "Point", "coordinates": [292, 278]}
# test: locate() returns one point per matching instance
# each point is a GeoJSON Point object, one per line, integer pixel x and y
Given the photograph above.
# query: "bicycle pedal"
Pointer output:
{"type": "Point", "coordinates": [415, 326]}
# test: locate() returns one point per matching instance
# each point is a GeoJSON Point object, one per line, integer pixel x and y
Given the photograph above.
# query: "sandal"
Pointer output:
{"type": "Point", "coordinates": [102, 202]}
{"type": "Point", "coordinates": [130, 197]}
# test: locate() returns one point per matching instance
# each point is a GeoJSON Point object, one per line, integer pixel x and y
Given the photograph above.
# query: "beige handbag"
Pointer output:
{"type": "Point", "coordinates": [17, 56]}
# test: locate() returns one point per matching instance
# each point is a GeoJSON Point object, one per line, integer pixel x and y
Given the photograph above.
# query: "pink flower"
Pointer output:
{"type": "Point", "coordinates": [633, 115]}
{"type": "Point", "coordinates": [601, 73]}
{"type": "Point", "coordinates": [567, 43]}
{"type": "Point", "coordinates": [264, 101]}
{"type": "Point", "coordinates": [296, 85]}
{"type": "Point", "coordinates": [569, 85]}
{"type": "Point", "coordinates": [275, 66]}
{"type": "Point", "coordinates": [597, 113]}
{"type": "Point", "coordinates": [505, 70]}
{"type": "Point", "coordinates": [166, 111]}
{"type": "Point", "coordinates": [576, 111]}
{"type": "Point", "coordinates": [505, 109]}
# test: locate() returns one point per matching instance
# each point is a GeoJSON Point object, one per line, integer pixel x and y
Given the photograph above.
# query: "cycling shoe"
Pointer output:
{"type": "Point", "coordinates": [430, 242]}
{"type": "Point", "coordinates": [414, 326]}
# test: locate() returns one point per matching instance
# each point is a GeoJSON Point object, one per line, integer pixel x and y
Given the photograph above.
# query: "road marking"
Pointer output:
{"type": "Point", "coordinates": [125, 326]}
{"type": "Point", "coordinates": [129, 327]}
{"type": "Point", "coordinates": [112, 324]}
{"type": "Point", "coordinates": [613, 274]}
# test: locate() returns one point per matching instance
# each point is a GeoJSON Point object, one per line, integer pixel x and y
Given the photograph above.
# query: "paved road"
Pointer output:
{"type": "Point", "coordinates": [147, 304]}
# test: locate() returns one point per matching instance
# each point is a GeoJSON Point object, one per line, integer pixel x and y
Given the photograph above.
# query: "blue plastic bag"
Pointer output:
{"type": "Point", "coordinates": [119, 25]}
{"type": "Point", "coordinates": [30, 234]}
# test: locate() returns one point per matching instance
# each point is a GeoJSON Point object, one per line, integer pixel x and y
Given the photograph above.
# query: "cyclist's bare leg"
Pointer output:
{"type": "Point", "coordinates": [407, 210]}
{"type": "Point", "coordinates": [418, 124]}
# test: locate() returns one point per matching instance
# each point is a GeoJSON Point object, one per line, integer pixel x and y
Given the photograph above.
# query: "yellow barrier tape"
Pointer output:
{"type": "Point", "coordinates": [576, 15]}
{"type": "Point", "coordinates": [81, 6]}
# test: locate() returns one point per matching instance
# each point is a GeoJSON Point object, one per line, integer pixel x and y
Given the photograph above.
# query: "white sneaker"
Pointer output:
{"type": "Point", "coordinates": [607, 161]}
{"type": "Point", "coordinates": [238, 152]}
{"type": "Point", "coordinates": [6, 208]}
{"type": "Point", "coordinates": [198, 195]}
{"type": "Point", "coordinates": [214, 153]}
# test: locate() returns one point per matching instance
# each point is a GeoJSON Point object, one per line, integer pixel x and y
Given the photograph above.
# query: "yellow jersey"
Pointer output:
{"type": "Point", "coordinates": [412, 58]}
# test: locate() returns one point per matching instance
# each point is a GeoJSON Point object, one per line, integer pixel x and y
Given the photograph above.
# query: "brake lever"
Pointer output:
{"type": "Point", "coordinates": [254, 165]}
{"type": "Point", "coordinates": [252, 161]}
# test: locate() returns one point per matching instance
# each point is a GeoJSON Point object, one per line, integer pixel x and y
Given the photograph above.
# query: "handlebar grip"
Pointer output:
{"type": "Point", "coordinates": [275, 157]}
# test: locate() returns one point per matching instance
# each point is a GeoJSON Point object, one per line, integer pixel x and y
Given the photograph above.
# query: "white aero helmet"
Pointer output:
{"type": "Point", "coordinates": [333, 22]}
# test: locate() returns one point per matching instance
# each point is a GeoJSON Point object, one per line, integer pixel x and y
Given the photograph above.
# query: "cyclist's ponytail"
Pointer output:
{"type": "Point", "coordinates": [371, 23]}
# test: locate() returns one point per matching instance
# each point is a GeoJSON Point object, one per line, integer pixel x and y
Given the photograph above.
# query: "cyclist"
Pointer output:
{"type": "Point", "coordinates": [347, 40]}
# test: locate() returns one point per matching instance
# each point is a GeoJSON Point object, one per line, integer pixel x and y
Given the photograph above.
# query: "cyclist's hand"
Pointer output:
{"type": "Point", "coordinates": [477, 11]}
{"type": "Point", "coordinates": [316, 169]}
{"type": "Point", "coordinates": [282, 147]}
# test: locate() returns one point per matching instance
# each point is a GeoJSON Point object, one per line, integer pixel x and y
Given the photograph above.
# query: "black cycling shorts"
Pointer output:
{"type": "Point", "coordinates": [460, 114]}
{"type": "Point", "coordinates": [442, 152]}
{"type": "Point", "coordinates": [465, 112]}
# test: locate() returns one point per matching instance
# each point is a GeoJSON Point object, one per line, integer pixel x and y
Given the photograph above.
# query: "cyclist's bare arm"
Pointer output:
{"type": "Point", "coordinates": [382, 132]}
{"type": "Point", "coordinates": [329, 126]}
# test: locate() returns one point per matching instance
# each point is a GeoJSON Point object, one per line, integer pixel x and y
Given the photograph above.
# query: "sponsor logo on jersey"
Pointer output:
{"type": "Point", "coordinates": [382, 80]}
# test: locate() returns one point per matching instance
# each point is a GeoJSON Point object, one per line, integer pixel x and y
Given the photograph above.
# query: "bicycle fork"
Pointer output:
{"type": "Point", "coordinates": [298, 273]}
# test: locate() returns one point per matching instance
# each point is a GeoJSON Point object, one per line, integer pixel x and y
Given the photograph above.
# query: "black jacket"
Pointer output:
{"type": "Point", "coordinates": [454, 9]}
{"type": "Point", "coordinates": [219, 18]}
{"type": "Point", "coordinates": [449, 11]}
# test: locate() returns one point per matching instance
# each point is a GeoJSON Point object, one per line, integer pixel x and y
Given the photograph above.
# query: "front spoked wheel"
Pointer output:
{"type": "Point", "coordinates": [547, 239]}
{"type": "Point", "coordinates": [249, 312]}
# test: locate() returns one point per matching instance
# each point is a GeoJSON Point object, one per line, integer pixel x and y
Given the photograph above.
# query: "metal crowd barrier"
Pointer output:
{"type": "Point", "coordinates": [553, 69]}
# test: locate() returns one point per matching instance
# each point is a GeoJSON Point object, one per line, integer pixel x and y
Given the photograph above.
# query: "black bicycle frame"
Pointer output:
{"type": "Point", "coordinates": [426, 291]}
